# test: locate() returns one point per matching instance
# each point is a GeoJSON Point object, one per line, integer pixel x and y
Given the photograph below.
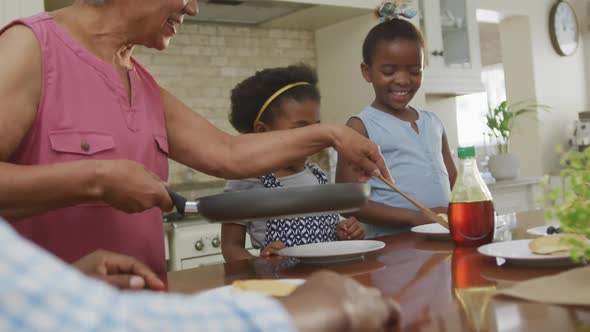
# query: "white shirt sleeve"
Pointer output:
{"type": "Point", "coordinates": [40, 293]}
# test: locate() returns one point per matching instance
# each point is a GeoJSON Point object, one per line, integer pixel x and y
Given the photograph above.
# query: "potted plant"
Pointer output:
{"type": "Point", "coordinates": [500, 121]}
{"type": "Point", "coordinates": [571, 206]}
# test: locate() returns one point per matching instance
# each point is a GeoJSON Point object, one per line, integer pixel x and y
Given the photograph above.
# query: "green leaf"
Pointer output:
{"type": "Point", "coordinates": [573, 212]}
{"type": "Point", "coordinates": [500, 120]}
{"type": "Point", "coordinates": [559, 149]}
{"type": "Point", "coordinates": [549, 214]}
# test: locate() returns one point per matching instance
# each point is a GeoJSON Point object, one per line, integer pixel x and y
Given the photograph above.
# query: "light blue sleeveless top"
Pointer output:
{"type": "Point", "coordinates": [415, 162]}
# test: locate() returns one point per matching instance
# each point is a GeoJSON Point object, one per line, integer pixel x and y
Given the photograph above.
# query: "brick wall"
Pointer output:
{"type": "Point", "coordinates": [205, 61]}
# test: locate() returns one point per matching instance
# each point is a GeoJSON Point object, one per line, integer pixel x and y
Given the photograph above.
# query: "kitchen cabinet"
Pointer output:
{"type": "Point", "coordinates": [452, 55]}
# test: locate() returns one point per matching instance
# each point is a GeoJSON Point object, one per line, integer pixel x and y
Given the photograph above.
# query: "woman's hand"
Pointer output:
{"type": "Point", "coordinates": [350, 229]}
{"type": "Point", "coordinates": [121, 271]}
{"type": "Point", "coordinates": [363, 156]}
{"type": "Point", "coordinates": [328, 301]}
{"type": "Point", "coordinates": [272, 249]}
{"type": "Point", "coordinates": [130, 187]}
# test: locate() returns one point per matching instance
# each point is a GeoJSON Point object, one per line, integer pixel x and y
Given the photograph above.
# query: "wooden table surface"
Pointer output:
{"type": "Point", "coordinates": [439, 287]}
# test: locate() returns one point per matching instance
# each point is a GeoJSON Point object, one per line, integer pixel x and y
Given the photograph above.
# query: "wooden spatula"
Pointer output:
{"type": "Point", "coordinates": [428, 212]}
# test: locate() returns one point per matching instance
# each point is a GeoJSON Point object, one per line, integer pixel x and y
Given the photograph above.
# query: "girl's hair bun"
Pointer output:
{"type": "Point", "coordinates": [391, 9]}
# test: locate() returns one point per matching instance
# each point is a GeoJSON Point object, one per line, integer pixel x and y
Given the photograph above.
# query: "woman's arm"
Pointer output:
{"type": "Point", "coordinates": [20, 86]}
{"type": "Point", "coordinates": [448, 159]}
{"type": "Point", "coordinates": [126, 185]}
{"type": "Point", "coordinates": [27, 190]}
{"type": "Point", "coordinates": [198, 144]}
{"type": "Point", "coordinates": [233, 242]}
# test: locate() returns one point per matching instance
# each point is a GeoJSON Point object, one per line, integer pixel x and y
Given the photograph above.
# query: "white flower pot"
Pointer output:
{"type": "Point", "coordinates": [504, 166]}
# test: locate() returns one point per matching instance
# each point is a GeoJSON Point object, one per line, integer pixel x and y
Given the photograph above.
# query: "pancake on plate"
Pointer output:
{"type": "Point", "coordinates": [266, 286]}
{"type": "Point", "coordinates": [554, 244]}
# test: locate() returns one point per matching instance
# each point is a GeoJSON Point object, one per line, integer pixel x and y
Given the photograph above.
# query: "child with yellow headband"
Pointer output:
{"type": "Point", "coordinates": [279, 99]}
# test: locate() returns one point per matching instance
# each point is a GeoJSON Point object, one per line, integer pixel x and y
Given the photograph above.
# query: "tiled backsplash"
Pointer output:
{"type": "Point", "coordinates": [205, 61]}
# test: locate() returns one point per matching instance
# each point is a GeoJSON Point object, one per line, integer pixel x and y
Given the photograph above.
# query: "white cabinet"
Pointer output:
{"type": "Point", "coordinates": [452, 56]}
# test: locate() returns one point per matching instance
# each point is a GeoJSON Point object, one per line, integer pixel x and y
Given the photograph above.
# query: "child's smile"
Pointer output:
{"type": "Point", "coordinates": [401, 96]}
{"type": "Point", "coordinates": [396, 73]}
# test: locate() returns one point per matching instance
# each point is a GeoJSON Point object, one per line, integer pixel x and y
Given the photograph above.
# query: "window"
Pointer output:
{"type": "Point", "coordinates": [472, 108]}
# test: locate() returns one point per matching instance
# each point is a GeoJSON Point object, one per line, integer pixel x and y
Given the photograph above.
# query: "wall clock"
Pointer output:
{"type": "Point", "coordinates": [563, 28]}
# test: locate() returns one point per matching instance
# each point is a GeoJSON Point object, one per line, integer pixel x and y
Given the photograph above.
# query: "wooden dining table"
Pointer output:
{"type": "Point", "coordinates": [440, 287]}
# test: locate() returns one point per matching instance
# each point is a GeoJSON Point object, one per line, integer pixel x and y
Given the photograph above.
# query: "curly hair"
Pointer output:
{"type": "Point", "coordinates": [389, 30]}
{"type": "Point", "coordinates": [248, 96]}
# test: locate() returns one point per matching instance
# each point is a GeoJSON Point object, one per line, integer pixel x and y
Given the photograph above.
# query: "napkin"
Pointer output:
{"type": "Point", "coordinates": [571, 287]}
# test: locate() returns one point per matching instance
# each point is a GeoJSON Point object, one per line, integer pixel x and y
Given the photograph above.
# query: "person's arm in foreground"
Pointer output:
{"type": "Point", "coordinates": [121, 271]}
{"type": "Point", "coordinates": [40, 293]}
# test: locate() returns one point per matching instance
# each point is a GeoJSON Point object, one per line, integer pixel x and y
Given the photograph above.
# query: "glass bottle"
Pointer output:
{"type": "Point", "coordinates": [471, 211]}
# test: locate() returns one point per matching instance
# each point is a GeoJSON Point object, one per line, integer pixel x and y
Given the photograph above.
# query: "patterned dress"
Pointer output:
{"type": "Point", "coordinates": [301, 230]}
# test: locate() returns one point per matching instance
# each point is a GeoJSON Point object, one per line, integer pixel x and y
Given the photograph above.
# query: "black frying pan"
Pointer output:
{"type": "Point", "coordinates": [276, 202]}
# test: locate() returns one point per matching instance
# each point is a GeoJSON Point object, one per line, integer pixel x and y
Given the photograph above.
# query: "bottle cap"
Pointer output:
{"type": "Point", "coordinates": [466, 152]}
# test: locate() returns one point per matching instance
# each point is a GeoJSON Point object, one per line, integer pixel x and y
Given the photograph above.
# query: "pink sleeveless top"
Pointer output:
{"type": "Point", "coordinates": [85, 113]}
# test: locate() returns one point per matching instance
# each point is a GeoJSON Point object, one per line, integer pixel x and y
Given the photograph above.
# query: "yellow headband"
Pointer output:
{"type": "Point", "coordinates": [274, 96]}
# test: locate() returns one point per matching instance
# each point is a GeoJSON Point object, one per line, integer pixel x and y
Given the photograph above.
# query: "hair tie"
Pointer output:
{"type": "Point", "coordinates": [391, 9]}
{"type": "Point", "coordinates": [274, 96]}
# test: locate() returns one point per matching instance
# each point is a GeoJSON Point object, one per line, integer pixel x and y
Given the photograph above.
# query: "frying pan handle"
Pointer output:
{"type": "Point", "coordinates": [178, 200]}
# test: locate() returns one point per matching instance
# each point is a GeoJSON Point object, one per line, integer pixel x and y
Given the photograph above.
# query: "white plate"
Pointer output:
{"type": "Point", "coordinates": [434, 231]}
{"type": "Point", "coordinates": [518, 253]}
{"type": "Point", "coordinates": [332, 252]}
{"type": "Point", "coordinates": [229, 289]}
{"type": "Point", "coordinates": [540, 231]}
{"type": "Point", "coordinates": [438, 232]}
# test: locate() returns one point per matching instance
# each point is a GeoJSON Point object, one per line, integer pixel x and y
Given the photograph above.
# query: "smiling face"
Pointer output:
{"type": "Point", "coordinates": [395, 72]}
{"type": "Point", "coordinates": [157, 21]}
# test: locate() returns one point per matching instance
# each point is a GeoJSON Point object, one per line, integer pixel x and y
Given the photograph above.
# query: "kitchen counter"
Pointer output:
{"type": "Point", "coordinates": [436, 291]}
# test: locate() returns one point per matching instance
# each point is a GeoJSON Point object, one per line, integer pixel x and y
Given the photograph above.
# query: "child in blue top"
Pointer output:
{"type": "Point", "coordinates": [413, 142]}
{"type": "Point", "coordinates": [279, 99]}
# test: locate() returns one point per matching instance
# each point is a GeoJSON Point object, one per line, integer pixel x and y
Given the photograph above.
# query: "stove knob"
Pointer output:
{"type": "Point", "coordinates": [215, 242]}
{"type": "Point", "coordinates": [199, 245]}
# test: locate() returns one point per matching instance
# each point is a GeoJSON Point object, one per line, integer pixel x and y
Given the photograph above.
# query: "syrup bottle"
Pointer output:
{"type": "Point", "coordinates": [471, 211]}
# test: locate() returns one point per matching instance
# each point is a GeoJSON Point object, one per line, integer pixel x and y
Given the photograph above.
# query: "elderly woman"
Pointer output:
{"type": "Point", "coordinates": [86, 131]}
